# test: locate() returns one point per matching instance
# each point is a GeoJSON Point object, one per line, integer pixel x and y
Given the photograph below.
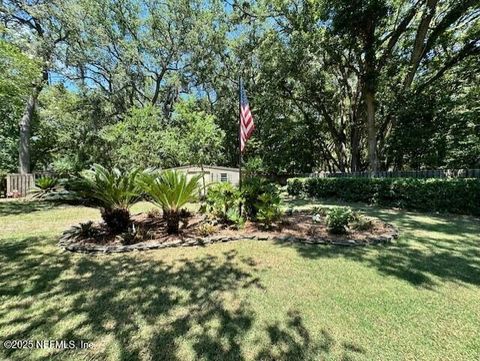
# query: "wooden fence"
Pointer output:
{"type": "Point", "coordinates": [18, 185]}
{"type": "Point", "coordinates": [436, 173]}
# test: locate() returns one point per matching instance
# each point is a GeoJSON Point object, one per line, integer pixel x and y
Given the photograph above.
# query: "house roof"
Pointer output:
{"type": "Point", "coordinates": [206, 167]}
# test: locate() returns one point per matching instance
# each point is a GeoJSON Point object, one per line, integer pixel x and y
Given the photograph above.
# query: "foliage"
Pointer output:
{"type": "Point", "coordinates": [201, 134]}
{"type": "Point", "coordinates": [338, 218]}
{"type": "Point", "coordinates": [221, 198]}
{"type": "Point", "coordinates": [295, 186]}
{"type": "Point", "coordinates": [460, 195]}
{"type": "Point", "coordinates": [361, 223]}
{"type": "Point", "coordinates": [206, 229]}
{"type": "Point", "coordinates": [171, 191]}
{"type": "Point", "coordinates": [73, 123]}
{"type": "Point", "coordinates": [18, 72]}
{"type": "Point", "coordinates": [333, 84]}
{"type": "Point", "coordinates": [235, 219]}
{"type": "Point", "coordinates": [136, 139]}
{"type": "Point", "coordinates": [44, 186]}
{"type": "Point", "coordinates": [269, 210]}
{"type": "Point", "coordinates": [261, 200]}
{"type": "Point", "coordinates": [80, 232]}
{"type": "Point", "coordinates": [253, 167]}
{"type": "Point", "coordinates": [113, 191]}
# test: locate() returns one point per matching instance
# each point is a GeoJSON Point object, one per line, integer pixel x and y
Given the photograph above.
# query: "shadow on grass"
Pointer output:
{"type": "Point", "coordinates": [8, 208]}
{"type": "Point", "coordinates": [432, 248]}
{"type": "Point", "coordinates": [143, 308]}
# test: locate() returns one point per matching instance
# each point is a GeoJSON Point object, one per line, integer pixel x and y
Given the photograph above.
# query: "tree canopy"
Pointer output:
{"type": "Point", "coordinates": [335, 85]}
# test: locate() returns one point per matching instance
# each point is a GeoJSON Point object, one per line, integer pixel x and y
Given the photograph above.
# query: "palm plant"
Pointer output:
{"type": "Point", "coordinates": [171, 191]}
{"type": "Point", "coordinates": [44, 186]}
{"type": "Point", "coordinates": [113, 192]}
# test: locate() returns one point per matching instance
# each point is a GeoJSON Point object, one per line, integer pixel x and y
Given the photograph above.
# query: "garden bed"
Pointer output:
{"type": "Point", "coordinates": [149, 232]}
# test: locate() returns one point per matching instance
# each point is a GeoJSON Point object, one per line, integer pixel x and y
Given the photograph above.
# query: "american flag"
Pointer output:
{"type": "Point", "coordinates": [246, 119]}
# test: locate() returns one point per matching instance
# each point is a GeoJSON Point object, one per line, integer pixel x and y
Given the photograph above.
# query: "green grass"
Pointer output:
{"type": "Point", "coordinates": [417, 299]}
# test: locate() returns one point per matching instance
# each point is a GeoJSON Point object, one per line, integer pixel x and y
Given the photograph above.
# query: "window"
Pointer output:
{"type": "Point", "coordinates": [223, 177]}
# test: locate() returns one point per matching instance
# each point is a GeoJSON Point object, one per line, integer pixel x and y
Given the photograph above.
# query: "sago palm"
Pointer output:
{"type": "Point", "coordinates": [113, 192]}
{"type": "Point", "coordinates": [44, 186]}
{"type": "Point", "coordinates": [171, 191]}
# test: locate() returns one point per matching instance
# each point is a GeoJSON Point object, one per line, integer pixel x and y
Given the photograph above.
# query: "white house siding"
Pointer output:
{"type": "Point", "coordinates": [213, 174]}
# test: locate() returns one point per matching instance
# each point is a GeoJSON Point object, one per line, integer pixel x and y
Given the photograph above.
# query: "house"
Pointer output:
{"type": "Point", "coordinates": [212, 173]}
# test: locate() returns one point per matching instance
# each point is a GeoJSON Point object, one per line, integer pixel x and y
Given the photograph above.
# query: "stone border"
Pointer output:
{"type": "Point", "coordinates": [384, 238]}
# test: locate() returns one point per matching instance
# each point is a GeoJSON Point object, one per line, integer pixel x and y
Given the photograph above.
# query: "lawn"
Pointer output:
{"type": "Point", "coordinates": [417, 299]}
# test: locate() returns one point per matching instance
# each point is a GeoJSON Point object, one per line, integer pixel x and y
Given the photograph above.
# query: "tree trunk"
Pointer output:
{"type": "Point", "coordinates": [117, 219]}
{"type": "Point", "coordinates": [372, 130]}
{"type": "Point", "coordinates": [355, 148]}
{"type": "Point", "coordinates": [369, 87]}
{"type": "Point", "coordinates": [173, 221]}
{"type": "Point", "coordinates": [25, 126]}
{"type": "Point", "coordinates": [419, 44]}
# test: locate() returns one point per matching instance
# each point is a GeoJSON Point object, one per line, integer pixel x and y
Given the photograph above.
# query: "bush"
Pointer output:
{"type": "Point", "coordinates": [207, 229]}
{"type": "Point", "coordinates": [268, 209]}
{"type": "Point", "coordinates": [361, 223]}
{"type": "Point", "coordinates": [443, 195]}
{"type": "Point", "coordinates": [171, 191]}
{"type": "Point", "coordinates": [261, 200]}
{"type": "Point", "coordinates": [221, 198]}
{"type": "Point", "coordinates": [235, 218]}
{"type": "Point", "coordinates": [338, 218]}
{"type": "Point", "coordinates": [295, 186]}
{"type": "Point", "coordinates": [222, 202]}
{"type": "Point", "coordinates": [82, 231]}
{"type": "Point", "coordinates": [110, 190]}
{"type": "Point", "coordinates": [44, 186]}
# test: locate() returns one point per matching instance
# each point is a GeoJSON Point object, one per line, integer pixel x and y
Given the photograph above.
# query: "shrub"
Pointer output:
{"type": "Point", "coordinates": [268, 209]}
{"type": "Point", "coordinates": [338, 218]}
{"type": "Point", "coordinates": [44, 186]}
{"type": "Point", "coordinates": [171, 191]}
{"type": "Point", "coordinates": [221, 199]}
{"type": "Point", "coordinates": [235, 218]}
{"type": "Point", "coordinates": [112, 191]}
{"type": "Point", "coordinates": [261, 200]}
{"type": "Point", "coordinates": [361, 223]}
{"type": "Point", "coordinates": [82, 231]}
{"type": "Point", "coordinates": [206, 229]}
{"type": "Point", "coordinates": [295, 186]}
{"type": "Point", "coordinates": [442, 195]}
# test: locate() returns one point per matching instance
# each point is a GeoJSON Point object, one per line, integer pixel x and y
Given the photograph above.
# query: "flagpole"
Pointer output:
{"type": "Point", "coordinates": [240, 158]}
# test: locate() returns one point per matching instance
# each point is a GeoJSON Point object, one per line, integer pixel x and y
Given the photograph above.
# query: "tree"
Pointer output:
{"type": "Point", "coordinates": [74, 125]}
{"type": "Point", "coordinates": [18, 70]}
{"type": "Point", "coordinates": [171, 191]}
{"type": "Point", "coordinates": [113, 191]}
{"type": "Point", "coordinates": [137, 139]}
{"type": "Point", "coordinates": [41, 24]}
{"type": "Point", "coordinates": [202, 137]}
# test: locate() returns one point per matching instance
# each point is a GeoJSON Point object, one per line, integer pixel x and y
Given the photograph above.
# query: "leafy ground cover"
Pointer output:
{"type": "Point", "coordinates": [246, 300]}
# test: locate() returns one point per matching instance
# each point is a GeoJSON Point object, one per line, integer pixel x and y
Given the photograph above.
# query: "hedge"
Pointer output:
{"type": "Point", "coordinates": [461, 195]}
